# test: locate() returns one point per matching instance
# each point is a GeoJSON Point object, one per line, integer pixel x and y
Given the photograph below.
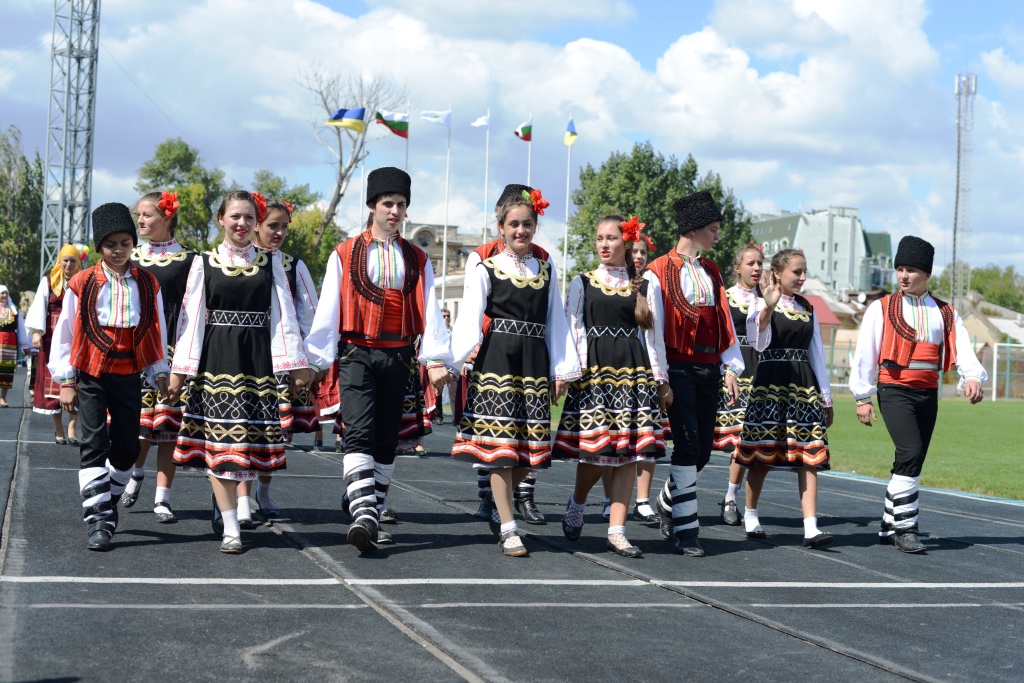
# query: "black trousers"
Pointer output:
{"type": "Point", "coordinates": [695, 387]}
{"type": "Point", "coordinates": [909, 416]}
{"type": "Point", "coordinates": [372, 385]}
{"type": "Point", "coordinates": [121, 397]}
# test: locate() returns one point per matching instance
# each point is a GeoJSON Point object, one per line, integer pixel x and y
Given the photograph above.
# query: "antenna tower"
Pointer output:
{"type": "Point", "coordinates": [70, 125]}
{"type": "Point", "coordinates": [960, 277]}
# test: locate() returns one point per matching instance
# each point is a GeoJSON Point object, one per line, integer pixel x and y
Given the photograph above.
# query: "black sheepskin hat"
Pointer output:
{"type": "Point", "coordinates": [110, 218]}
{"type": "Point", "coordinates": [915, 252]}
{"type": "Point", "coordinates": [695, 211]}
{"type": "Point", "coordinates": [388, 180]}
{"type": "Point", "coordinates": [511, 190]}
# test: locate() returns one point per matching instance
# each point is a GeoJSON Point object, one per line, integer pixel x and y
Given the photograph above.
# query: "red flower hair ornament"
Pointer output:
{"type": "Point", "coordinates": [288, 205]}
{"type": "Point", "coordinates": [538, 201]}
{"type": "Point", "coordinates": [168, 203]}
{"type": "Point", "coordinates": [261, 206]}
{"type": "Point", "coordinates": [631, 229]}
{"type": "Point", "coordinates": [754, 245]}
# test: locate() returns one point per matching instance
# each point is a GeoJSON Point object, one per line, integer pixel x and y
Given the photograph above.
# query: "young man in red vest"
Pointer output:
{"type": "Point", "coordinates": [905, 338]}
{"type": "Point", "coordinates": [701, 346]}
{"type": "Point", "coordinates": [109, 331]}
{"type": "Point", "coordinates": [377, 298]}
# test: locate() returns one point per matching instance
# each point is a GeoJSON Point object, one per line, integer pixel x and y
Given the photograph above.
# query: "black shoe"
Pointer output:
{"type": "Point", "coordinates": [114, 517]}
{"type": "Point", "coordinates": [128, 499]}
{"type": "Point", "coordinates": [99, 540]}
{"type": "Point", "coordinates": [908, 542]}
{"type": "Point", "coordinates": [652, 518]}
{"type": "Point", "coordinates": [730, 513]}
{"type": "Point", "coordinates": [72, 441]}
{"type": "Point", "coordinates": [164, 517]}
{"type": "Point", "coordinates": [389, 516]}
{"type": "Point", "coordinates": [217, 522]}
{"type": "Point", "coordinates": [363, 535]}
{"type": "Point", "coordinates": [628, 551]}
{"type": "Point", "coordinates": [384, 538]}
{"type": "Point", "coordinates": [823, 539]}
{"type": "Point", "coordinates": [528, 509]}
{"type": "Point", "coordinates": [318, 445]}
{"type": "Point", "coordinates": [246, 523]}
{"type": "Point", "coordinates": [571, 532]}
{"type": "Point", "coordinates": [346, 514]}
{"type": "Point", "coordinates": [666, 521]}
{"type": "Point", "coordinates": [60, 441]}
{"type": "Point", "coordinates": [757, 535]}
{"type": "Point", "coordinates": [484, 511]}
{"type": "Point", "coordinates": [439, 420]}
{"type": "Point", "coordinates": [689, 546]}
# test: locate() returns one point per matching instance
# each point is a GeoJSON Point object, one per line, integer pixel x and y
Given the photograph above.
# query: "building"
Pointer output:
{"type": "Point", "coordinates": [430, 238]}
{"type": "Point", "coordinates": [838, 249]}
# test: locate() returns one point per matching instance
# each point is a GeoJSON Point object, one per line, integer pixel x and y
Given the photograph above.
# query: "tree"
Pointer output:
{"type": "Point", "coordinates": [1000, 286]}
{"type": "Point", "coordinates": [21, 209]}
{"type": "Point", "coordinates": [645, 183]}
{"type": "Point", "coordinates": [176, 166]}
{"type": "Point", "coordinates": [330, 93]}
{"type": "Point", "coordinates": [302, 243]}
{"type": "Point", "coordinates": [274, 187]}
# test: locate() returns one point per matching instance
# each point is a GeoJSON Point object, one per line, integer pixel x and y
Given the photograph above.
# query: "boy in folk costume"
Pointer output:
{"type": "Point", "coordinates": [377, 297]}
{"type": "Point", "coordinates": [904, 340]}
{"type": "Point", "coordinates": [700, 343]}
{"type": "Point", "coordinates": [110, 329]}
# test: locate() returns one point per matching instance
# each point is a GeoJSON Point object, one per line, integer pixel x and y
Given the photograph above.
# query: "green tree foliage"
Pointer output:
{"type": "Point", "coordinates": [645, 183]}
{"type": "Point", "coordinates": [21, 209]}
{"type": "Point", "coordinates": [1000, 286]}
{"type": "Point", "coordinates": [305, 242]}
{"type": "Point", "coordinates": [176, 166]}
{"type": "Point", "coordinates": [274, 187]}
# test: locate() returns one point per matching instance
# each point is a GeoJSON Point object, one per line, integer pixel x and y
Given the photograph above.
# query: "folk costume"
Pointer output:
{"type": "Point", "coordinates": [611, 415]}
{"type": "Point", "coordinates": [784, 426]}
{"type": "Point", "coordinates": [729, 422]}
{"type": "Point", "coordinates": [298, 413]}
{"type": "Point", "coordinates": [13, 338]}
{"type": "Point", "coordinates": [42, 318]}
{"type": "Point", "coordinates": [377, 298]}
{"type": "Point", "coordinates": [903, 343]}
{"type": "Point", "coordinates": [701, 346]}
{"type": "Point", "coordinates": [237, 331]}
{"type": "Point", "coordinates": [109, 331]}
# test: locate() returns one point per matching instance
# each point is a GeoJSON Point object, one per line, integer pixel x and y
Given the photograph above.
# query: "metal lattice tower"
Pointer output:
{"type": "Point", "coordinates": [960, 280]}
{"type": "Point", "coordinates": [73, 61]}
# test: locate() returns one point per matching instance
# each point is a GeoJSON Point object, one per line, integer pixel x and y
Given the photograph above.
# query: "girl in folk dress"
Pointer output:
{"type": "Point", "coordinates": [790, 404]}
{"type": "Point", "coordinates": [40, 321]}
{"type": "Point", "coordinates": [13, 338]}
{"type": "Point", "coordinates": [238, 329]}
{"type": "Point", "coordinates": [611, 416]}
{"type": "Point", "coordinates": [744, 299]}
{"type": "Point", "coordinates": [169, 262]}
{"type": "Point", "coordinates": [525, 359]}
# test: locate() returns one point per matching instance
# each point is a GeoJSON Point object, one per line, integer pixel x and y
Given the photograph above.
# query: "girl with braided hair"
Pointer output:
{"type": "Point", "coordinates": [612, 414]}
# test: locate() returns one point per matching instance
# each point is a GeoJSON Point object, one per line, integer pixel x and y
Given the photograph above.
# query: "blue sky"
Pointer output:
{"type": "Point", "coordinates": [796, 103]}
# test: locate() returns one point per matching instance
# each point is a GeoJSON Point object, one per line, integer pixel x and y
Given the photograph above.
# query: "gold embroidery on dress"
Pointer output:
{"type": "Point", "coordinates": [610, 290]}
{"type": "Point", "coordinates": [736, 303]}
{"type": "Point", "coordinates": [232, 270]}
{"type": "Point", "coordinates": [161, 261]}
{"type": "Point", "coordinates": [286, 261]}
{"type": "Point", "coordinates": [536, 282]}
{"type": "Point", "coordinates": [801, 316]}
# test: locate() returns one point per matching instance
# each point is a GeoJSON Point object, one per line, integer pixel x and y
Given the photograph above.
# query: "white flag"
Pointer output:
{"type": "Point", "coordinates": [484, 121]}
{"type": "Point", "coordinates": [443, 118]}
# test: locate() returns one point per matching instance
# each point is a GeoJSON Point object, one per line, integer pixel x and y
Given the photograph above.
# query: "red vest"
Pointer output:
{"type": "Point", "coordinates": [899, 346]}
{"type": "Point", "coordinates": [374, 316]}
{"type": "Point", "coordinates": [97, 350]}
{"type": "Point", "coordinates": [687, 325]}
{"type": "Point", "coordinates": [486, 251]}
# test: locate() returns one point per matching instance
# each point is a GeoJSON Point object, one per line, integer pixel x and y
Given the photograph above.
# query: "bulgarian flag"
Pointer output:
{"type": "Point", "coordinates": [397, 122]}
{"type": "Point", "coordinates": [525, 130]}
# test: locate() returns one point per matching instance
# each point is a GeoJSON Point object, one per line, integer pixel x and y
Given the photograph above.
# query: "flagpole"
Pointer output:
{"type": "Point", "coordinates": [529, 151]}
{"type": "Point", "coordinates": [362, 192]}
{"type": "Point", "coordinates": [565, 240]}
{"type": "Point", "coordinates": [408, 116]}
{"type": "Point", "coordinates": [444, 246]}
{"type": "Point", "coordinates": [487, 152]}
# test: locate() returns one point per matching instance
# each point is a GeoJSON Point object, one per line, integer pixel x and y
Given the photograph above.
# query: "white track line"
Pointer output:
{"type": "Point", "coordinates": [908, 605]}
{"type": "Point", "coordinates": [169, 581]}
{"type": "Point", "coordinates": [214, 607]}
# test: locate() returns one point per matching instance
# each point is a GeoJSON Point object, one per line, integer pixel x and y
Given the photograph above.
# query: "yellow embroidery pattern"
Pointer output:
{"type": "Point", "coordinates": [736, 303]}
{"type": "Point", "coordinates": [801, 316]}
{"type": "Point", "coordinates": [286, 260]}
{"type": "Point", "coordinates": [232, 271]}
{"type": "Point", "coordinates": [536, 282]}
{"type": "Point", "coordinates": [608, 289]}
{"type": "Point", "coordinates": [157, 260]}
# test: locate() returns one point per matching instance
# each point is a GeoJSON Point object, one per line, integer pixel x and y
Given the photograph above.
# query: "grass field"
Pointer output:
{"type": "Point", "coordinates": [974, 448]}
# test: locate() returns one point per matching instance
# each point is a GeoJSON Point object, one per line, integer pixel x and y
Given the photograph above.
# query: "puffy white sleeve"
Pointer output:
{"type": "Point", "coordinates": [24, 341]}
{"type": "Point", "coordinates": [967, 364]}
{"type": "Point", "coordinates": [162, 366]}
{"type": "Point", "coordinates": [36, 318]}
{"type": "Point", "coordinates": [575, 319]}
{"type": "Point", "coordinates": [59, 360]}
{"type": "Point", "coordinates": [305, 298]}
{"type": "Point", "coordinates": [188, 347]}
{"type": "Point", "coordinates": [286, 340]}
{"type": "Point", "coordinates": [755, 337]}
{"type": "Point", "coordinates": [322, 341]}
{"type": "Point", "coordinates": [864, 366]}
{"type": "Point", "coordinates": [468, 329]}
{"type": "Point", "coordinates": [654, 338]}
{"type": "Point", "coordinates": [816, 356]}
{"type": "Point", "coordinates": [436, 344]}
{"type": "Point", "coordinates": [564, 363]}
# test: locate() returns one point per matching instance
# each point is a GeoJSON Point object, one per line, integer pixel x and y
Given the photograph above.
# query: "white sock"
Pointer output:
{"type": "Point", "coordinates": [613, 530]}
{"type": "Point", "coordinates": [643, 506]}
{"type": "Point", "coordinates": [730, 495]}
{"type": "Point", "coordinates": [231, 527]}
{"type": "Point", "coordinates": [750, 521]}
{"type": "Point", "coordinates": [811, 527]}
{"type": "Point", "coordinates": [139, 471]}
{"type": "Point", "coordinates": [244, 508]}
{"type": "Point", "coordinates": [511, 526]}
{"type": "Point", "coordinates": [163, 495]}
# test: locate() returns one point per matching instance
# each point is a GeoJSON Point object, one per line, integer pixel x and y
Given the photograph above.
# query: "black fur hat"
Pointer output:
{"type": "Point", "coordinates": [110, 218]}
{"type": "Point", "coordinates": [695, 211]}
{"type": "Point", "coordinates": [511, 190]}
{"type": "Point", "coordinates": [388, 180]}
{"type": "Point", "coordinates": [915, 252]}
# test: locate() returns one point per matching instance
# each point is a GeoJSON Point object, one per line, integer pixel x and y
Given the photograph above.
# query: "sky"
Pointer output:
{"type": "Point", "coordinates": [797, 104]}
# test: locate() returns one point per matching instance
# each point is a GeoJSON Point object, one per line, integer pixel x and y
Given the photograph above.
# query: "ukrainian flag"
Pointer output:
{"type": "Point", "coordinates": [570, 133]}
{"type": "Point", "coordinates": [349, 118]}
